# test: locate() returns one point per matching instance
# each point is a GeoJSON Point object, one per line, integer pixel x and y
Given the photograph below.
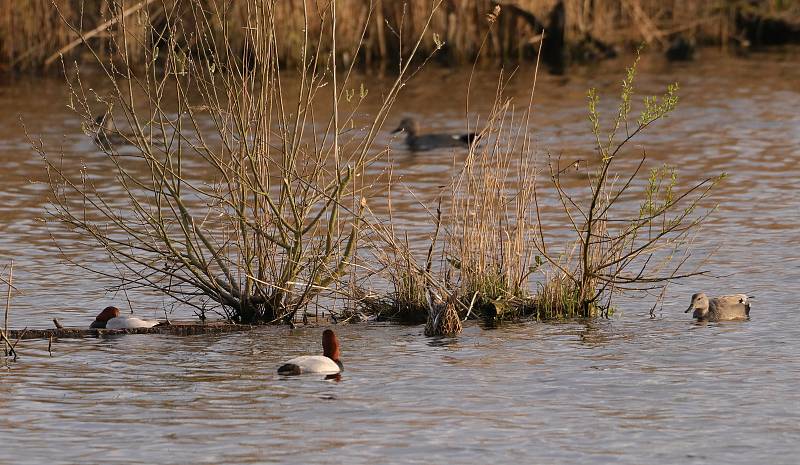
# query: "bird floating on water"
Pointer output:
{"type": "Point", "coordinates": [107, 136]}
{"type": "Point", "coordinates": [110, 318]}
{"type": "Point", "coordinates": [420, 142]}
{"type": "Point", "coordinates": [328, 363]}
{"type": "Point", "coordinates": [726, 307]}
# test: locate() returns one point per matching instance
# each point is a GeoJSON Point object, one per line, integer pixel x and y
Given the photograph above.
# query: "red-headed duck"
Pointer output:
{"type": "Point", "coordinates": [328, 363]}
{"type": "Point", "coordinates": [110, 318]}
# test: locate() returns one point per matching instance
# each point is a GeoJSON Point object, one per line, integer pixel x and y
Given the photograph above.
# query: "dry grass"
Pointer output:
{"type": "Point", "coordinates": [490, 222]}
{"type": "Point", "coordinates": [31, 31]}
{"type": "Point", "coordinates": [7, 278]}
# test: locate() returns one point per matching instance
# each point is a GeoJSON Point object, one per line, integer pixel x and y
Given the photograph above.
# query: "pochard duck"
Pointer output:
{"type": "Point", "coordinates": [726, 307]}
{"type": "Point", "coordinates": [328, 363]}
{"type": "Point", "coordinates": [110, 318]}
{"type": "Point", "coordinates": [419, 143]}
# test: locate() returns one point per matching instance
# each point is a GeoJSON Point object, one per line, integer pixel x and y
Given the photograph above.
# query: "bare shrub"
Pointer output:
{"type": "Point", "coordinates": [237, 191]}
{"type": "Point", "coordinates": [632, 227]}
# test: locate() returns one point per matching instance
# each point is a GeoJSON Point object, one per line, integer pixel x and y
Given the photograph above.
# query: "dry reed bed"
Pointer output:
{"type": "Point", "coordinates": [32, 32]}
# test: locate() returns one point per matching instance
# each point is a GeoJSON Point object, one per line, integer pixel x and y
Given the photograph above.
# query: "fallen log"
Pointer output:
{"type": "Point", "coordinates": [175, 329]}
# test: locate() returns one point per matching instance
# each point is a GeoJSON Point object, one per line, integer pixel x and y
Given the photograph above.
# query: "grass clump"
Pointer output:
{"type": "Point", "coordinates": [409, 303]}
{"type": "Point", "coordinates": [487, 234]}
{"type": "Point", "coordinates": [557, 298]}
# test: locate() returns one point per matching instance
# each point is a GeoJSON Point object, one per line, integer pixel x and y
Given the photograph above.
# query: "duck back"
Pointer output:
{"type": "Point", "coordinates": [729, 307]}
{"type": "Point", "coordinates": [309, 364]}
{"type": "Point", "coordinates": [126, 322]}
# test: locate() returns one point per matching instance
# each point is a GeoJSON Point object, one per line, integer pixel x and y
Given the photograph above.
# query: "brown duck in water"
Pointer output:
{"type": "Point", "coordinates": [726, 307]}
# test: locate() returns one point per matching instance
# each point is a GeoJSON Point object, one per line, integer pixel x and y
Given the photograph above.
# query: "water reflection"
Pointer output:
{"type": "Point", "coordinates": [631, 389]}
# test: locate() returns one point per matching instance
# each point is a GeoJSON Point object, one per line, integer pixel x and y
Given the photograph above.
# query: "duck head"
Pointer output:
{"type": "Point", "coordinates": [699, 305]}
{"type": "Point", "coordinates": [107, 314]}
{"type": "Point", "coordinates": [103, 122]}
{"type": "Point", "coordinates": [409, 125]}
{"type": "Point", "coordinates": [330, 346]}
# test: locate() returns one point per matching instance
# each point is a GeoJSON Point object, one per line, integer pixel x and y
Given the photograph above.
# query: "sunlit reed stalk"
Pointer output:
{"type": "Point", "coordinates": [9, 282]}
{"type": "Point", "coordinates": [8, 347]}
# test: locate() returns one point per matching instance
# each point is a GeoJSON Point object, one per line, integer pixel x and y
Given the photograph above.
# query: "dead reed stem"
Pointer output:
{"type": "Point", "coordinates": [9, 283]}
{"type": "Point", "coordinates": [8, 347]}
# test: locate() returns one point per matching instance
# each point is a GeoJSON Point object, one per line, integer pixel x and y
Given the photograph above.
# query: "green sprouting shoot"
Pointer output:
{"type": "Point", "coordinates": [655, 108]}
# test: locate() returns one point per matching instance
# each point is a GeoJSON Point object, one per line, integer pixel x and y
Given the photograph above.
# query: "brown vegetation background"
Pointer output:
{"type": "Point", "coordinates": [33, 30]}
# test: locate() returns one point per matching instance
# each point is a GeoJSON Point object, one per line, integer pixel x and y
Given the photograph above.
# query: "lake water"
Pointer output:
{"type": "Point", "coordinates": [626, 390]}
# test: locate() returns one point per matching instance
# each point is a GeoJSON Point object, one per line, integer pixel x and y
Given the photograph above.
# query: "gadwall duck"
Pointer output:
{"type": "Point", "coordinates": [726, 307]}
{"type": "Point", "coordinates": [104, 130]}
{"type": "Point", "coordinates": [107, 136]}
{"type": "Point", "coordinates": [418, 143]}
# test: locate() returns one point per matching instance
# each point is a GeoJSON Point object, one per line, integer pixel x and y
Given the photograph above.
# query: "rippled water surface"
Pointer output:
{"type": "Point", "coordinates": [626, 390]}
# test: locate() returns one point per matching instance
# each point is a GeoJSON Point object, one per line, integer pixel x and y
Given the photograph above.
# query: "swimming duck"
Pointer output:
{"type": "Point", "coordinates": [107, 136]}
{"type": "Point", "coordinates": [418, 143]}
{"type": "Point", "coordinates": [110, 318]}
{"type": "Point", "coordinates": [101, 137]}
{"type": "Point", "coordinates": [726, 307]}
{"type": "Point", "coordinates": [328, 363]}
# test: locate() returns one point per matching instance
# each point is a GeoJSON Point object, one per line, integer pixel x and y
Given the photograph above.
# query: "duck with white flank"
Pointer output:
{"type": "Point", "coordinates": [726, 307]}
{"type": "Point", "coordinates": [110, 318]}
{"type": "Point", "coordinates": [328, 363]}
{"type": "Point", "coordinates": [419, 143]}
